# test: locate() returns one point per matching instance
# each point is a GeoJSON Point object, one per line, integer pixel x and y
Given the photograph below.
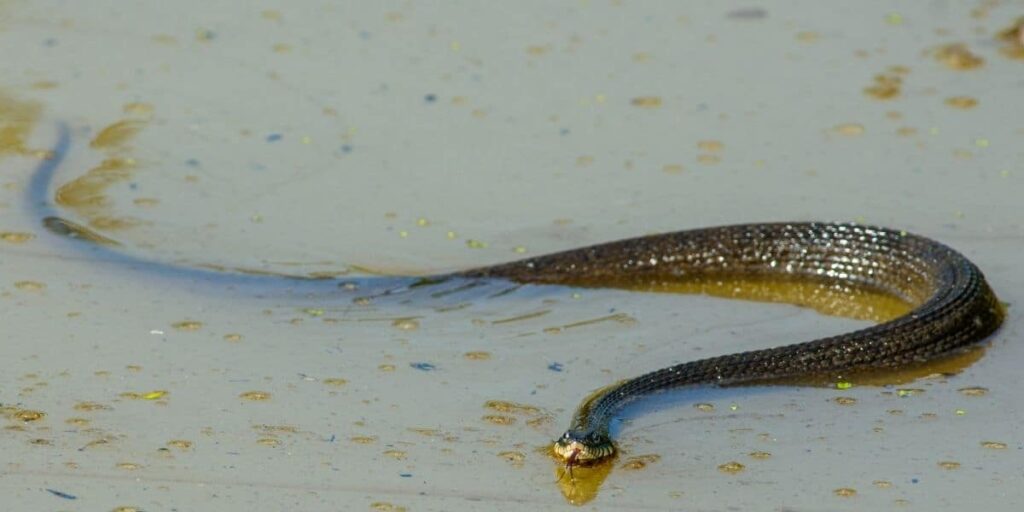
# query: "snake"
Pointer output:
{"type": "Point", "coordinates": [953, 305]}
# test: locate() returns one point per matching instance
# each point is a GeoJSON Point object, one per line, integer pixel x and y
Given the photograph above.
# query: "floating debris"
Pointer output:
{"type": "Point", "coordinates": [886, 86]}
{"type": "Point", "coordinates": [255, 395]}
{"type": "Point", "coordinates": [513, 407]}
{"type": "Point", "coordinates": [497, 419]}
{"type": "Point", "coordinates": [383, 506]}
{"type": "Point", "coordinates": [515, 458]}
{"type": "Point", "coordinates": [15, 237]}
{"type": "Point", "coordinates": [30, 286]}
{"type": "Point", "coordinates": [958, 57]}
{"type": "Point", "coordinates": [640, 461]}
{"type": "Point", "coordinates": [396, 454]}
{"type": "Point", "coordinates": [962, 102]}
{"type": "Point", "coordinates": [973, 391]}
{"type": "Point", "coordinates": [180, 444]}
{"type": "Point", "coordinates": [646, 101]}
{"type": "Point", "coordinates": [406, 324]}
{"type": "Point", "coordinates": [849, 129]}
{"type": "Point", "coordinates": [148, 395]}
{"type": "Point", "coordinates": [187, 325]}
{"type": "Point", "coordinates": [91, 406]}
{"type": "Point", "coordinates": [27, 415]}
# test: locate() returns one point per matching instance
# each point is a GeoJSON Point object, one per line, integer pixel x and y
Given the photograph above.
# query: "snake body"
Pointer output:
{"type": "Point", "coordinates": [953, 304]}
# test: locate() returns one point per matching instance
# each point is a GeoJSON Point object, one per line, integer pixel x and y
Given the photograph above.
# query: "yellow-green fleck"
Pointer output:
{"type": "Point", "coordinates": [16, 238]}
{"type": "Point", "coordinates": [406, 324]}
{"type": "Point", "coordinates": [29, 415]}
{"type": "Point", "coordinates": [187, 325]}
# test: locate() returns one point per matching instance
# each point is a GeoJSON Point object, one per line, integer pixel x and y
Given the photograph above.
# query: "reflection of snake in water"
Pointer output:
{"type": "Point", "coordinates": [954, 306]}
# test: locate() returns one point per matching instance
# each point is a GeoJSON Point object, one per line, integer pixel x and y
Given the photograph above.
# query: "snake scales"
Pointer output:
{"type": "Point", "coordinates": [953, 304]}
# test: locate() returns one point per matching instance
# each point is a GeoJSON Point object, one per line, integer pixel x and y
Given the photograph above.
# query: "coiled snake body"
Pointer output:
{"type": "Point", "coordinates": [953, 304]}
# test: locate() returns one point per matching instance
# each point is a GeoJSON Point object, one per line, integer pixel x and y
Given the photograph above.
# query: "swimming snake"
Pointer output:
{"type": "Point", "coordinates": [953, 305]}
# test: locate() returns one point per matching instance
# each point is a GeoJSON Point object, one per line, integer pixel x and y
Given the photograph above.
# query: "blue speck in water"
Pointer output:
{"type": "Point", "coordinates": [555, 367]}
{"type": "Point", "coordinates": [347, 148]}
{"type": "Point", "coordinates": [50, 42]}
{"type": "Point", "coordinates": [913, 480]}
{"type": "Point", "coordinates": [405, 475]}
{"type": "Point", "coordinates": [274, 137]}
{"type": "Point", "coordinates": [426, 367]}
{"type": "Point", "coordinates": [563, 131]}
{"type": "Point", "coordinates": [192, 162]}
{"type": "Point", "coordinates": [430, 98]}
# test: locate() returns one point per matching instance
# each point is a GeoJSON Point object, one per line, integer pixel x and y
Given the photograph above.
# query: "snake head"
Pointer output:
{"type": "Point", "coordinates": [586, 449]}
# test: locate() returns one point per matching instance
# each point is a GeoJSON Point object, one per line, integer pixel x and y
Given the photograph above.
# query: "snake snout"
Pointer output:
{"type": "Point", "coordinates": [577, 449]}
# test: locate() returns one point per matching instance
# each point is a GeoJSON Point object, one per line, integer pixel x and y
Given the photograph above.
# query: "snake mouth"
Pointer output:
{"type": "Point", "coordinates": [577, 453]}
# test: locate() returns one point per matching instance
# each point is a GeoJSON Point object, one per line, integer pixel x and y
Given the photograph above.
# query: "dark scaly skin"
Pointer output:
{"type": "Point", "coordinates": [954, 306]}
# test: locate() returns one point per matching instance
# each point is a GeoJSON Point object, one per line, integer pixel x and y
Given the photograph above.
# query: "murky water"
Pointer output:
{"type": "Point", "coordinates": [212, 153]}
